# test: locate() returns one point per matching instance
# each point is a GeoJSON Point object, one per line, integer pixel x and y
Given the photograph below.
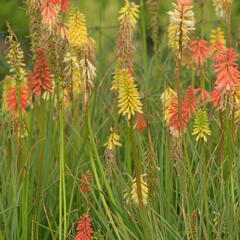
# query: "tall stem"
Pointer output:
{"type": "Point", "coordinates": [62, 187]}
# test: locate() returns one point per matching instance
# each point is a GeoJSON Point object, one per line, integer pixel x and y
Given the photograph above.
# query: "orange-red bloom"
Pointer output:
{"type": "Point", "coordinates": [200, 51]}
{"type": "Point", "coordinates": [226, 70]}
{"type": "Point", "coordinates": [174, 119]}
{"type": "Point", "coordinates": [86, 180]}
{"type": "Point", "coordinates": [50, 13]}
{"type": "Point", "coordinates": [14, 104]}
{"type": "Point", "coordinates": [65, 5]}
{"type": "Point", "coordinates": [140, 123]}
{"type": "Point", "coordinates": [41, 76]}
{"type": "Point", "coordinates": [84, 228]}
{"type": "Point", "coordinates": [204, 95]}
{"type": "Point", "coordinates": [190, 100]}
{"type": "Point", "coordinates": [217, 99]}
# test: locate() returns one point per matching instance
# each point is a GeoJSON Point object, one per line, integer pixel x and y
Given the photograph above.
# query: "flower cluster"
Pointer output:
{"type": "Point", "coordinates": [84, 228]}
{"type": "Point", "coordinates": [128, 96]}
{"type": "Point", "coordinates": [200, 51]}
{"type": "Point", "coordinates": [86, 181]}
{"type": "Point", "coordinates": [144, 190]}
{"type": "Point", "coordinates": [130, 11]}
{"type": "Point", "coordinates": [217, 40]}
{"type": "Point", "coordinates": [40, 78]}
{"type": "Point", "coordinates": [113, 140]}
{"type": "Point", "coordinates": [77, 33]}
{"type": "Point", "coordinates": [201, 125]}
{"type": "Point", "coordinates": [182, 24]}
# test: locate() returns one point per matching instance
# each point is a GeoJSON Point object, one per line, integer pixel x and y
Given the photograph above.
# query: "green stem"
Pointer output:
{"type": "Point", "coordinates": [138, 170]}
{"type": "Point", "coordinates": [62, 187]}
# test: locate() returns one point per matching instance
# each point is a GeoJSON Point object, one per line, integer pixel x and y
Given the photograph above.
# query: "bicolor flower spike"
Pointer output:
{"type": "Point", "coordinates": [129, 11]}
{"type": "Point", "coordinates": [182, 24]}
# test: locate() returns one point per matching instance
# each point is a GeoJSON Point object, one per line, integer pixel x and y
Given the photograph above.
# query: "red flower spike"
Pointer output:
{"type": "Point", "coordinates": [50, 13]}
{"type": "Point", "coordinates": [204, 95]}
{"type": "Point", "coordinates": [86, 180]}
{"type": "Point", "coordinates": [200, 51]}
{"type": "Point", "coordinates": [84, 228]}
{"type": "Point", "coordinates": [13, 104]}
{"type": "Point", "coordinates": [226, 70]}
{"type": "Point", "coordinates": [217, 99]}
{"type": "Point", "coordinates": [174, 120]}
{"type": "Point", "coordinates": [190, 100]}
{"type": "Point", "coordinates": [140, 123]}
{"type": "Point", "coordinates": [65, 4]}
{"type": "Point", "coordinates": [56, 2]}
{"type": "Point", "coordinates": [41, 76]}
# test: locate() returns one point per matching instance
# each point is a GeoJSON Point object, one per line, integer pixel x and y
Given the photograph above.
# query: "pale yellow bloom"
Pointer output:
{"type": "Point", "coordinates": [144, 190]}
{"type": "Point", "coordinates": [113, 140]}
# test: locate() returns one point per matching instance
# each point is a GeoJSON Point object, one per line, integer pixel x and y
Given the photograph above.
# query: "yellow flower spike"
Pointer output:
{"type": "Point", "coordinates": [77, 32]}
{"type": "Point", "coordinates": [217, 36]}
{"type": "Point", "coordinates": [131, 11]}
{"type": "Point", "coordinates": [144, 189]}
{"type": "Point", "coordinates": [128, 98]}
{"type": "Point", "coordinates": [113, 140]}
{"type": "Point", "coordinates": [201, 125]}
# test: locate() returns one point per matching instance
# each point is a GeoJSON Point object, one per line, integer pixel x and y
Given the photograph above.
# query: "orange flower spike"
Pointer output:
{"type": "Point", "coordinates": [217, 99]}
{"type": "Point", "coordinates": [84, 228]}
{"type": "Point", "coordinates": [204, 95]}
{"type": "Point", "coordinates": [174, 120]}
{"type": "Point", "coordinates": [41, 76]}
{"type": "Point", "coordinates": [226, 70]}
{"type": "Point", "coordinates": [200, 51]}
{"type": "Point", "coordinates": [13, 104]}
{"type": "Point", "coordinates": [49, 13]}
{"type": "Point", "coordinates": [190, 100]}
{"type": "Point", "coordinates": [65, 4]}
{"type": "Point", "coordinates": [140, 123]}
{"type": "Point", "coordinates": [86, 180]}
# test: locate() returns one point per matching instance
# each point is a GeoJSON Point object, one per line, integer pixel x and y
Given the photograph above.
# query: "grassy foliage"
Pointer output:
{"type": "Point", "coordinates": [72, 154]}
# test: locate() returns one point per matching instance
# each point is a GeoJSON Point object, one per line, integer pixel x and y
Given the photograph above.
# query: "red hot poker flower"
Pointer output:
{"type": "Point", "coordinates": [13, 104]}
{"type": "Point", "coordinates": [217, 99]}
{"type": "Point", "coordinates": [41, 76]}
{"type": "Point", "coordinates": [86, 180]}
{"type": "Point", "coordinates": [174, 119]}
{"type": "Point", "coordinates": [190, 100]}
{"type": "Point", "coordinates": [65, 6]}
{"type": "Point", "coordinates": [84, 228]}
{"type": "Point", "coordinates": [200, 51]}
{"type": "Point", "coordinates": [140, 123]}
{"type": "Point", "coordinates": [226, 70]}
